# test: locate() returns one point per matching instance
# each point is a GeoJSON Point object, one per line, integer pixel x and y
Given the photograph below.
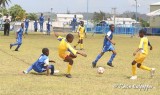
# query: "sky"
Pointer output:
{"type": "Point", "coordinates": [61, 6]}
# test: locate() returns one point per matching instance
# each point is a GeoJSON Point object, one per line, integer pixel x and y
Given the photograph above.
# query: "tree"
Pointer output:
{"type": "Point", "coordinates": [32, 16]}
{"type": "Point", "coordinates": [17, 12]}
{"type": "Point", "coordinates": [4, 2]}
{"type": "Point", "coordinates": [97, 17]}
{"type": "Point", "coordinates": [144, 23]}
{"type": "Point", "coordinates": [4, 11]}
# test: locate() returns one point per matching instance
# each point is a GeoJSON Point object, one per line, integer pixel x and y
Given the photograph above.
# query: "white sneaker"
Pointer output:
{"type": "Point", "coordinates": [25, 72]}
{"type": "Point", "coordinates": [152, 72]}
{"type": "Point", "coordinates": [133, 77]}
{"type": "Point", "coordinates": [56, 71]}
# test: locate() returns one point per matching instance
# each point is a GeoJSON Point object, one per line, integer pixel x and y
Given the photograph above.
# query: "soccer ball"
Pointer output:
{"type": "Point", "coordinates": [100, 70]}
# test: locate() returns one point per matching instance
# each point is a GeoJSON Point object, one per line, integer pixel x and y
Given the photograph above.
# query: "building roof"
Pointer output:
{"type": "Point", "coordinates": [122, 19]}
{"type": "Point", "coordinates": [70, 15]}
{"type": "Point", "coordinates": [158, 3]}
{"type": "Point", "coordinates": [154, 13]}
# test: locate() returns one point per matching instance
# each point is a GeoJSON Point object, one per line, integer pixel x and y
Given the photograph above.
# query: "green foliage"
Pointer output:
{"type": "Point", "coordinates": [4, 11]}
{"type": "Point", "coordinates": [3, 3]}
{"type": "Point", "coordinates": [17, 12]}
{"type": "Point", "coordinates": [144, 23]}
{"type": "Point", "coordinates": [32, 16]}
{"type": "Point", "coordinates": [98, 16]}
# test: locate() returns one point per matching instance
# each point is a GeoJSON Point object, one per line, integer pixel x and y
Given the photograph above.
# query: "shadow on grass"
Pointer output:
{"type": "Point", "coordinates": [57, 75]}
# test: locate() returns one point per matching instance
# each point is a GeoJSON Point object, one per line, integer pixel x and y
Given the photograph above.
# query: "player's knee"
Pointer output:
{"type": "Point", "coordinates": [74, 56]}
{"type": "Point", "coordinates": [133, 63]}
{"type": "Point", "coordinates": [102, 53]}
{"type": "Point", "coordinates": [82, 41]}
{"type": "Point", "coordinates": [115, 53]}
{"type": "Point", "coordinates": [138, 65]}
{"type": "Point", "coordinates": [71, 62]}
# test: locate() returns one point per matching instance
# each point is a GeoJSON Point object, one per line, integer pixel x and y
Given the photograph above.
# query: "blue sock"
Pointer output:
{"type": "Point", "coordinates": [30, 68]}
{"type": "Point", "coordinates": [18, 46]}
{"type": "Point", "coordinates": [98, 57]}
{"type": "Point", "coordinates": [112, 57]}
{"type": "Point", "coordinates": [51, 67]}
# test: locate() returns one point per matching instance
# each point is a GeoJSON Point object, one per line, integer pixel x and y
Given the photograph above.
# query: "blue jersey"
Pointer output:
{"type": "Point", "coordinates": [26, 22]}
{"type": "Point", "coordinates": [74, 20]}
{"type": "Point", "coordinates": [41, 19]}
{"type": "Point", "coordinates": [39, 65]}
{"type": "Point", "coordinates": [20, 33]}
{"type": "Point", "coordinates": [48, 25]}
{"type": "Point", "coordinates": [35, 24]}
{"type": "Point", "coordinates": [107, 43]}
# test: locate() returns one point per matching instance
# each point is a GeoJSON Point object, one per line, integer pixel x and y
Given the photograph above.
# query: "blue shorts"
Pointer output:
{"type": "Point", "coordinates": [107, 48]}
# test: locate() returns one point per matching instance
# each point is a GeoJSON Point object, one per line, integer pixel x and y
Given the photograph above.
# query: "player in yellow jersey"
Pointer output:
{"type": "Point", "coordinates": [66, 52]}
{"type": "Point", "coordinates": [81, 34]}
{"type": "Point", "coordinates": [141, 53]}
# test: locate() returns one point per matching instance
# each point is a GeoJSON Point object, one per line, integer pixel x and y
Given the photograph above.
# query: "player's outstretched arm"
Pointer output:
{"type": "Point", "coordinates": [52, 61]}
{"type": "Point", "coordinates": [23, 36]}
{"type": "Point", "coordinates": [110, 40]}
{"type": "Point", "coordinates": [149, 44]}
{"type": "Point", "coordinates": [16, 35]}
{"type": "Point", "coordinates": [138, 49]}
{"type": "Point", "coordinates": [56, 34]}
{"type": "Point", "coordinates": [85, 34]}
{"type": "Point", "coordinates": [83, 54]}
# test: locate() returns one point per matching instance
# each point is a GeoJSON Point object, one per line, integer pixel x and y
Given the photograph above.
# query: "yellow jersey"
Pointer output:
{"type": "Point", "coordinates": [81, 31]}
{"type": "Point", "coordinates": [65, 47]}
{"type": "Point", "coordinates": [144, 45]}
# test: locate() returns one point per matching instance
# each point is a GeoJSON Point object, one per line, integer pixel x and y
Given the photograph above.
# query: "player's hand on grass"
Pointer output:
{"type": "Point", "coordinates": [114, 43]}
{"type": "Point", "coordinates": [56, 34]}
{"type": "Point", "coordinates": [52, 61]}
{"type": "Point", "coordinates": [83, 54]}
{"type": "Point", "coordinates": [151, 47]}
{"type": "Point", "coordinates": [134, 53]}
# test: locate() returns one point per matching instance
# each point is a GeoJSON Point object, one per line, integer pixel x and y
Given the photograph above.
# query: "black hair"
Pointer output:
{"type": "Point", "coordinates": [69, 36]}
{"type": "Point", "coordinates": [142, 31]}
{"type": "Point", "coordinates": [44, 50]}
{"type": "Point", "coordinates": [110, 26]}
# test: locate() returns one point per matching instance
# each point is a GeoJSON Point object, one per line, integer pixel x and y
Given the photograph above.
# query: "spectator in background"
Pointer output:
{"type": "Point", "coordinates": [7, 20]}
{"type": "Point", "coordinates": [41, 21]}
{"type": "Point", "coordinates": [74, 24]}
{"type": "Point", "coordinates": [35, 25]}
{"type": "Point", "coordinates": [48, 26]}
{"type": "Point", "coordinates": [26, 22]}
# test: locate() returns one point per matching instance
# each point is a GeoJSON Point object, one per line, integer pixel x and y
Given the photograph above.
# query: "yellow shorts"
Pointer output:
{"type": "Point", "coordinates": [63, 56]}
{"type": "Point", "coordinates": [81, 37]}
{"type": "Point", "coordinates": [140, 57]}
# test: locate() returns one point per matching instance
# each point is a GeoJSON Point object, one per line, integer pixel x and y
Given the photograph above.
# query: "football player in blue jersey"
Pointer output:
{"type": "Point", "coordinates": [42, 64]}
{"type": "Point", "coordinates": [107, 46]}
{"type": "Point", "coordinates": [41, 21]}
{"type": "Point", "coordinates": [19, 35]}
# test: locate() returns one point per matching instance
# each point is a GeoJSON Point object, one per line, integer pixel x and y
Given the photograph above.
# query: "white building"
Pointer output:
{"type": "Point", "coordinates": [64, 20]}
{"type": "Point", "coordinates": [154, 15]}
{"type": "Point", "coordinates": [124, 22]}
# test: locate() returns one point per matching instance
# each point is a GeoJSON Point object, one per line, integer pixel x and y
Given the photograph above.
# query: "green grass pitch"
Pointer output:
{"type": "Point", "coordinates": [85, 79]}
